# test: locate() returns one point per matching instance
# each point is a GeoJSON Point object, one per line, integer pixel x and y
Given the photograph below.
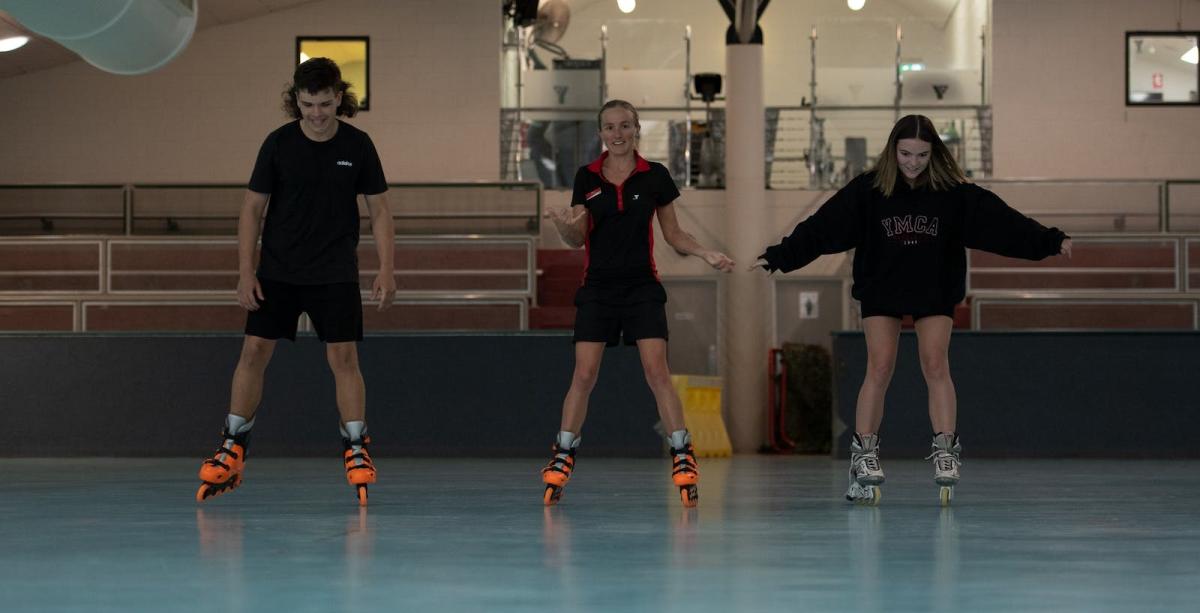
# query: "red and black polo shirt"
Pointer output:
{"type": "Point", "coordinates": [620, 238]}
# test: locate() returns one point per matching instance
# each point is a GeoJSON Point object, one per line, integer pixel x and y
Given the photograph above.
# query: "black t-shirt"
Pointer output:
{"type": "Point", "coordinates": [311, 231]}
{"type": "Point", "coordinates": [620, 237]}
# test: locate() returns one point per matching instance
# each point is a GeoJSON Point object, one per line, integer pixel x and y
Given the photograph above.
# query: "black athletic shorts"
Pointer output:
{"type": "Point", "coordinates": [335, 310]}
{"type": "Point", "coordinates": [605, 315]}
{"type": "Point", "coordinates": [869, 310]}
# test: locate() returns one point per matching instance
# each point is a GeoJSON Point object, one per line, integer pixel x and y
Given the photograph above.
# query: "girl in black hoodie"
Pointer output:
{"type": "Point", "coordinates": [909, 220]}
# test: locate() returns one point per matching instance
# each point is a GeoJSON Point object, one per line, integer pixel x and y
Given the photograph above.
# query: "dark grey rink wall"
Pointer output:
{"type": "Point", "coordinates": [1040, 394]}
{"type": "Point", "coordinates": [436, 395]}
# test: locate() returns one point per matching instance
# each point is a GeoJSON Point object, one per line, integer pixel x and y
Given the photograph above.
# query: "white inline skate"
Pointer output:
{"type": "Point", "coordinates": [866, 474]}
{"type": "Point", "coordinates": [945, 451]}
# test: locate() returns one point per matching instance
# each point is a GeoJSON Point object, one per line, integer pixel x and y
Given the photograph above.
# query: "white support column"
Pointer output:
{"type": "Point", "coordinates": [744, 300]}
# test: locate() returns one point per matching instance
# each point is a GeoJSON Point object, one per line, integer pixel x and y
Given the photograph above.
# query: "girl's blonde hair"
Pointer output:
{"type": "Point", "coordinates": [942, 173]}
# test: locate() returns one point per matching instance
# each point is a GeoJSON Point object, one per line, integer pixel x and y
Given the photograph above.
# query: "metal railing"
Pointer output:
{"type": "Point", "coordinates": [47, 275]}
{"type": "Point", "coordinates": [1130, 254]}
{"type": "Point", "coordinates": [1106, 205]}
{"type": "Point", "coordinates": [1187, 316]}
{"type": "Point", "coordinates": [499, 207]}
{"type": "Point", "coordinates": [1142, 280]}
{"type": "Point", "coordinates": [804, 149]}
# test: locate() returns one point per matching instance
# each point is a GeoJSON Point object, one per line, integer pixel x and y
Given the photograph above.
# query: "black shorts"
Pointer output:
{"type": "Point", "coordinates": [869, 310]}
{"type": "Point", "coordinates": [605, 316]}
{"type": "Point", "coordinates": [335, 310]}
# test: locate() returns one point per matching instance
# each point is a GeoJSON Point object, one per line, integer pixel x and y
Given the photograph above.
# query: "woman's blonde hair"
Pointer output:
{"type": "Point", "coordinates": [612, 104]}
{"type": "Point", "coordinates": [942, 173]}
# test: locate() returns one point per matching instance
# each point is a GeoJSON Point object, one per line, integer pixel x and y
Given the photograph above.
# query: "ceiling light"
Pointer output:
{"type": "Point", "coordinates": [1192, 56]}
{"type": "Point", "coordinates": [856, 5]}
{"type": "Point", "coordinates": [13, 42]}
{"type": "Point", "coordinates": [626, 6]}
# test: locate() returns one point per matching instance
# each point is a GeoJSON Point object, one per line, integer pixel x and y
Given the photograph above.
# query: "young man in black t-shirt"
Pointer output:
{"type": "Point", "coordinates": [311, 171]}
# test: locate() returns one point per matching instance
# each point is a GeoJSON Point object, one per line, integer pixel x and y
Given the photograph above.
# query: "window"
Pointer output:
{"type": "Point", "coordinates": [352, 54]}
{"type": "Point", "coordinates": [1161, 68]}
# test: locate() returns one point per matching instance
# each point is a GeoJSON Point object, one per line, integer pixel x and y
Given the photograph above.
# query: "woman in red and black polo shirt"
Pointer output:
{"type": "Point", "coordinates": [612, 213]}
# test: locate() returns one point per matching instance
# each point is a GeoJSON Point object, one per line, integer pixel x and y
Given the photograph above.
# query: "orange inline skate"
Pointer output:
{"type": "Point", "coordinates": [360, 471]}
{"type": "Point", "coordinates": [558, 472]}
{"type": "Point", "coordinates": [685, 473]}
{"type": "Point", "coordinates": [223, 472]}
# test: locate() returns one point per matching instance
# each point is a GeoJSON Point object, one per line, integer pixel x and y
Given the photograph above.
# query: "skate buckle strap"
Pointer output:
{"type": "Point", "coordinates": [240, 438]}
{"type": "Point", "coordinates": [353, 461]}
{"type": "Point", "coordinates": [363, 442]}
{"type": "Point", "coordinates": [366, 461]}
{"type": "Point", "coordinates": [358, 458]}
{"type": "Point", "coordinates": [562, 462]}
{"type": "Point", "coordinates": [685, 461]}
{"type": "Point", "coordinates": [222, 450]}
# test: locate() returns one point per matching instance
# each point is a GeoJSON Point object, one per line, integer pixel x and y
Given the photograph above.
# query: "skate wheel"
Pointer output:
{"type": "Point", "coordinates": [362, 495]}
{"type": "Point", "coordinates": [873, 498]}
{"type": "Point", "coordinates": [552, 494]}
{"type": "Point", "coordinates": [209, 490]}
{"type": "Point", "coordinates": [945, 495]}
{"type": "Point", "coordinates": [689, 495]}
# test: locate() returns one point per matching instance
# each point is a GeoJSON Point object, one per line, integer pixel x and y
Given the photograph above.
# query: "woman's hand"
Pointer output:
{"type": "Point", "coordinates": [719, 260]}
{"type": "Point", "coordinates": [562, 216]}
{"type": "Point", "coordinates": [1065, 249]}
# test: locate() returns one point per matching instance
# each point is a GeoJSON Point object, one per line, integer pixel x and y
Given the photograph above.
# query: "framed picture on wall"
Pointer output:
{"type": "Point", "coordinates": [1162, 68]}
{"type": "Point", "coordinates": [353, 57]}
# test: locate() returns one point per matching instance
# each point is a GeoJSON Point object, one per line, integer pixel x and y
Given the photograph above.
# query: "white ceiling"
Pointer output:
{"type": "Point", "coordinates": [1162, 50]}
{"type": "Point", "coordinates": [41, 53]}
{"type": "Point", "coordinates": [936, 11]}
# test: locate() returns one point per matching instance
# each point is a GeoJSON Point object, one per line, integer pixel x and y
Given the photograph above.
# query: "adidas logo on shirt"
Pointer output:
{"type": "Point", "coordinates": [344, 163]}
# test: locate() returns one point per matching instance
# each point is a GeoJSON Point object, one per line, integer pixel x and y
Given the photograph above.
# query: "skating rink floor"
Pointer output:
{"type": "Point", "coordinates": [771, 533]}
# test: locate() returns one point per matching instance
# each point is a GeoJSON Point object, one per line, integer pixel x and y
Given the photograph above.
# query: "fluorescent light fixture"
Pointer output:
{"type": "Point", "coordinates": [1192, 56]}
{"type": "Point", "coordinates": [13, 43]}
{"type": "Point", "coordinates": [913, 67]}
{"type": "Point", "coordinates": [856, 5]}
{"type": "Point", "coordinates": [626, 6]}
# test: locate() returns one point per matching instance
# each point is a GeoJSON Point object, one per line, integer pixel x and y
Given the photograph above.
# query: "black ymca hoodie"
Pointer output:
{"type": "Point", "coordinates": [910, 248]}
